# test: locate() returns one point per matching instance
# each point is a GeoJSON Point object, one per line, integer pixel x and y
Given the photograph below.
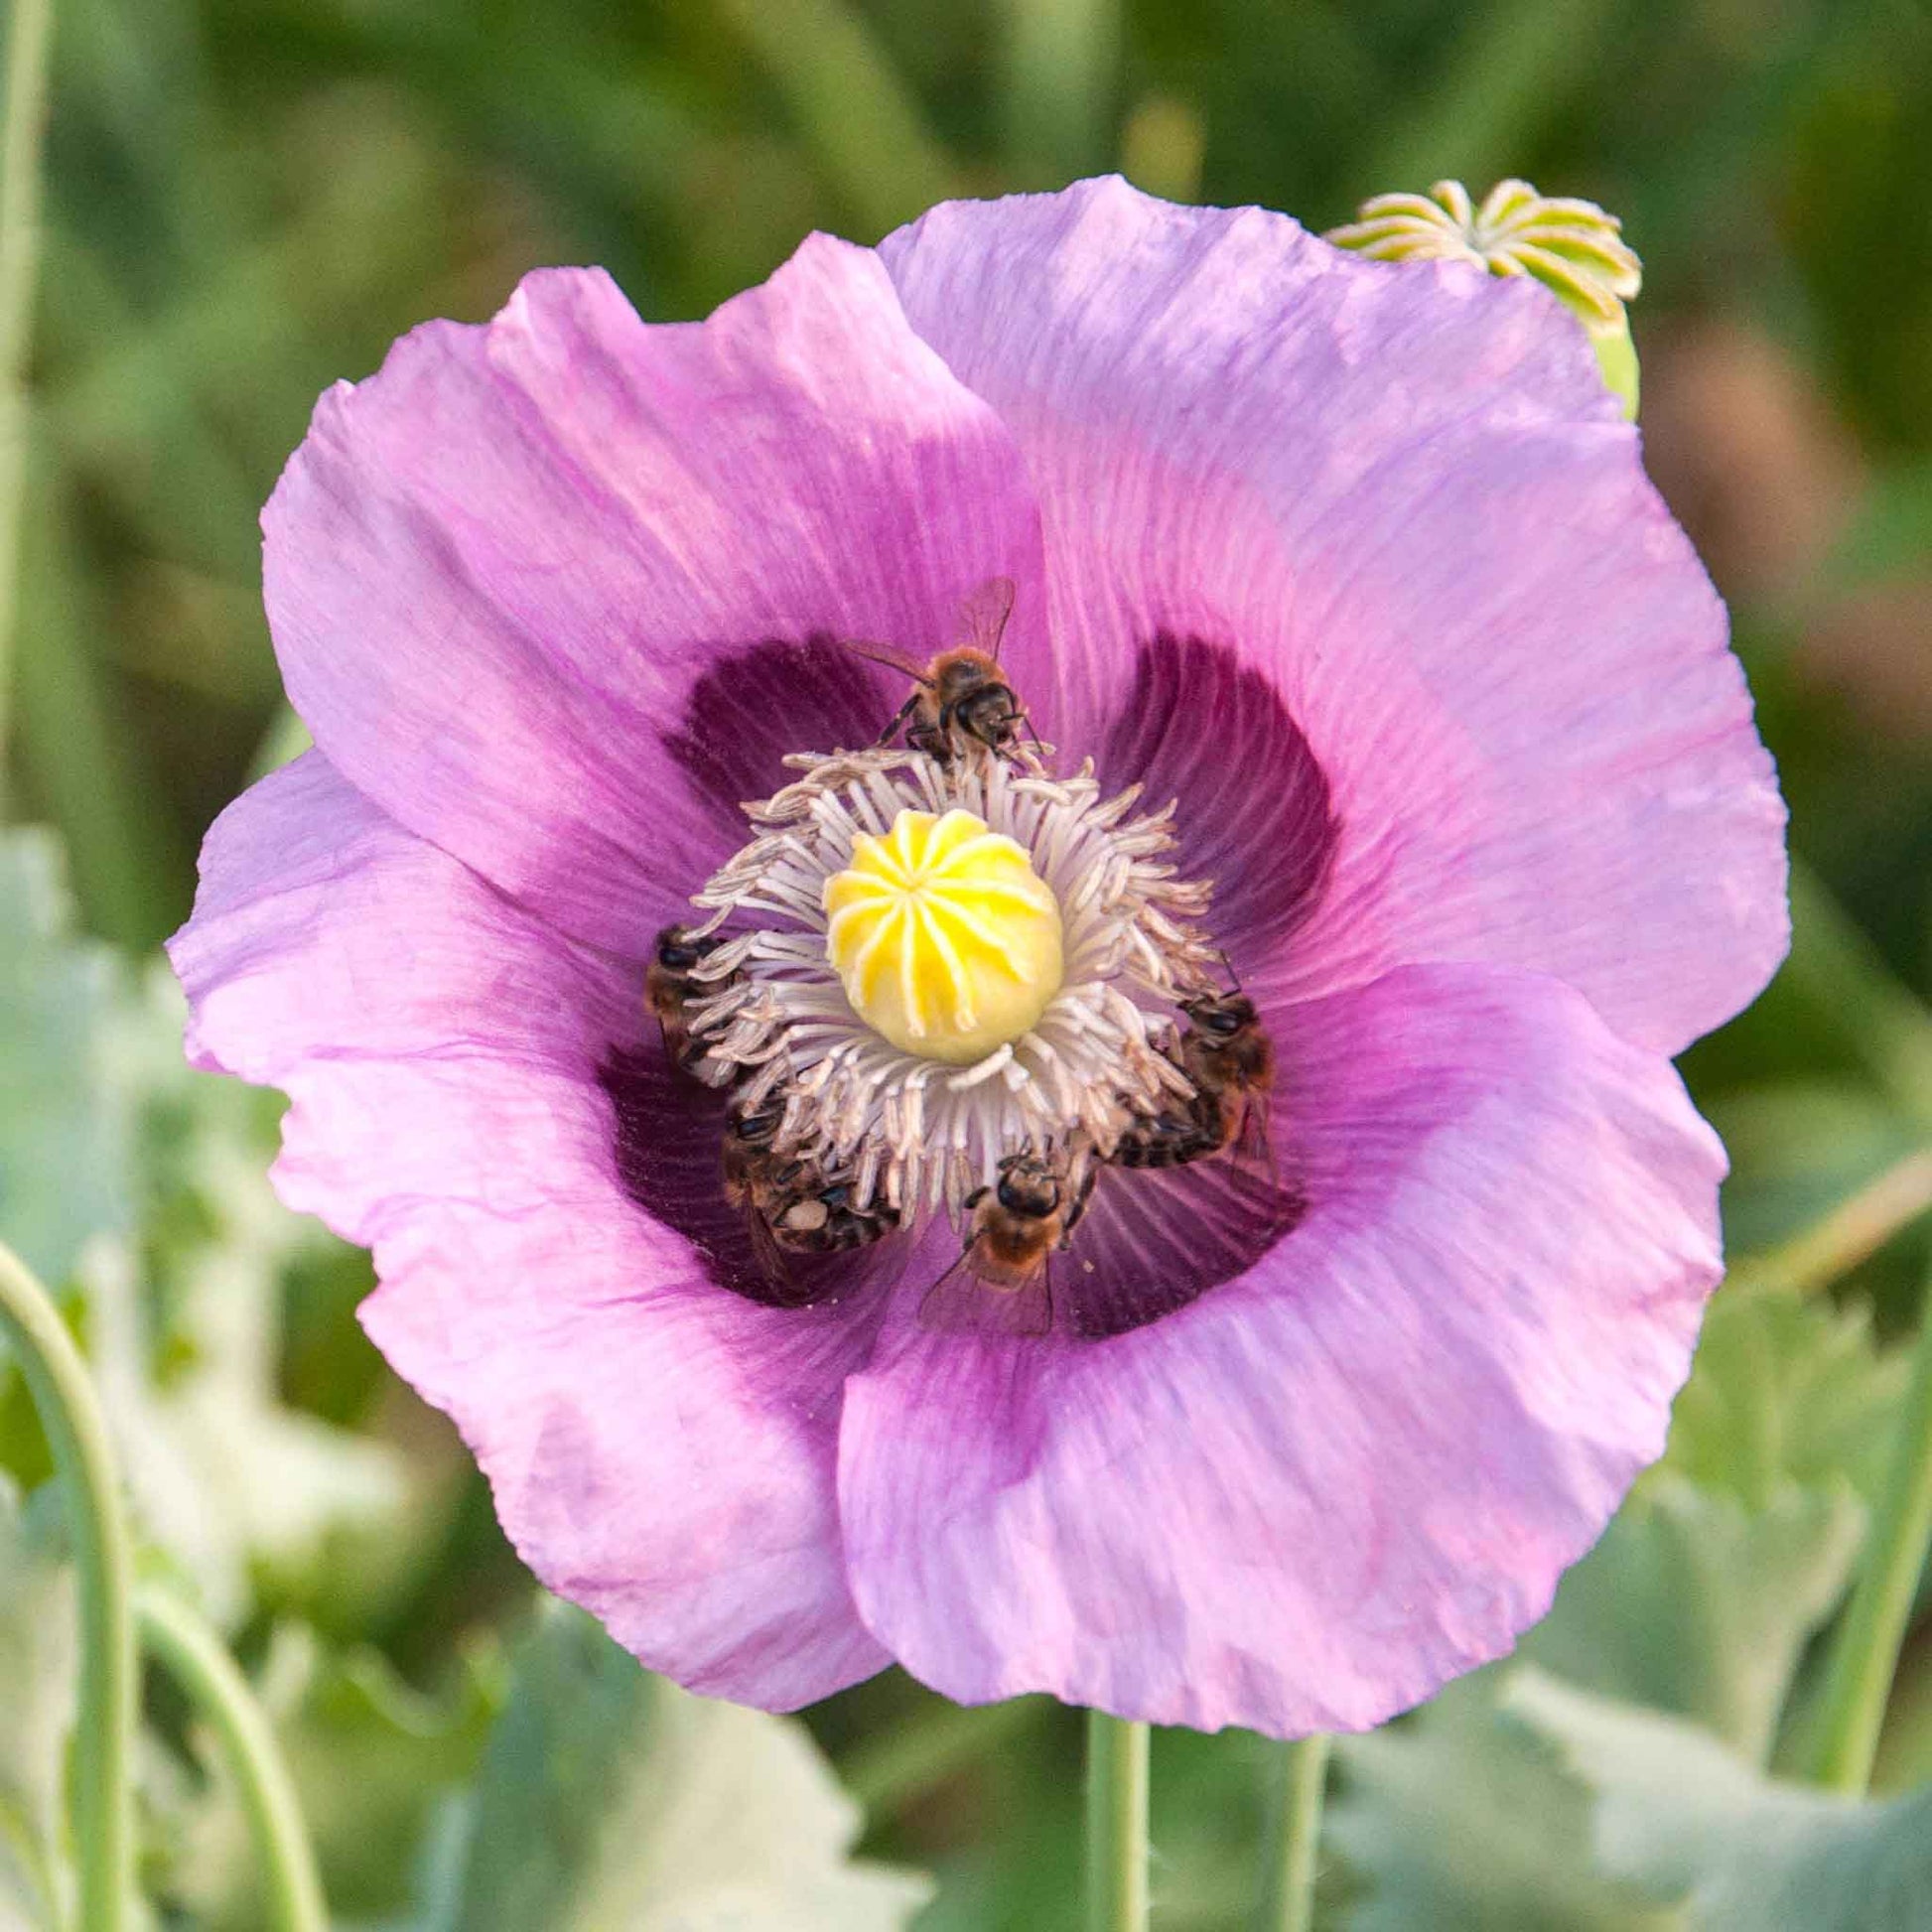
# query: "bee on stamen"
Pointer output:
{"type": "Point", "coordinates": [1227, 1054]}
{"type": "Point", "coordinates": [790, 1206]}
{"type": "Point", "coordinates": [961, 699]}
{"type": "Point", "coordinates": [1016, 1224]}
{"type": "Point", "coordinates": [671, 985]}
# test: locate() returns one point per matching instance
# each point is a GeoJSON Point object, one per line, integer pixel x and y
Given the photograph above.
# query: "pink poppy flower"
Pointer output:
{"type": "Point", "coordinates": [1355, 564]}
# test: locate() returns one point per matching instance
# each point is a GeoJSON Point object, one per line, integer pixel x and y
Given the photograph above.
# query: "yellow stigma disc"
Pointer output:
{"type": "Point", "coordinates": [946, 939]}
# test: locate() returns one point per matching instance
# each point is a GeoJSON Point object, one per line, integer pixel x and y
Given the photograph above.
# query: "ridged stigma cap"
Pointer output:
{"type": "Point", "coordinates": [946, 940]}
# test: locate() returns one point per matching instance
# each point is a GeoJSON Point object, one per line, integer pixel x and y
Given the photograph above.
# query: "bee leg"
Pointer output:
{"type": "Point", "coordinates": [1212, 1127]}
{"type": "Point", "coordinates": [930, 1303]}
{"type": "Point", "coordinates": [899, 718]}
{"type": "Point", "coordinates": [1168, 1139]}
{"type": "Point", "coordinates": [1079, 1207]}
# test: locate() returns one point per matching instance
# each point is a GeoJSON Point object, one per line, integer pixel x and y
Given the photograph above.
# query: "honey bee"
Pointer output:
{"type": "Point", "coordinates": [670, 985]}
{"type": "Point", "coordinates": [1225, 1052]}
{"type": "Point", "coordinates": [792, 1206]}
{"type": "Point", "coordinates": [1019, 1222]}
{"type": "Point", "coordinates": [960, 699]}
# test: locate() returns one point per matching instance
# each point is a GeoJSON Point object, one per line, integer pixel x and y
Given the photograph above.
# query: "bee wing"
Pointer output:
{"type": "Point", "coordinates": [984, 613]}
{"type": "Point", "coordinates": [1252, 1145]}
{"type": "Point", "coordinates": [959, 1302]}
{"type": "Point", "coordinates": [884, 655]}
{"type": "Point", "coordinates": [770, 1258]}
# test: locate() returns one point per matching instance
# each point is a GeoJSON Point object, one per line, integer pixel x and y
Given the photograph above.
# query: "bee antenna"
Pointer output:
{"type": "Point", "coordinates": [1227, 966]}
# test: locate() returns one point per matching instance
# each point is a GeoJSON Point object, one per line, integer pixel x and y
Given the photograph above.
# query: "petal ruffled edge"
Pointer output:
{"type": "Point", "coordinates": [497, 570]}
{"type": "Point", "coordinates": [1402, 493]}
{"type": "Point", "coordinates": [661, 1451]}
{"type": "Point", "coordinates": [1306, 1500]}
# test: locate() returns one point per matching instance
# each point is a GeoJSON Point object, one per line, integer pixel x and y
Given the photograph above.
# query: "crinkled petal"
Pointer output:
{"type": "Point", "coordinates": [1404, 494]}
{"type": "Point", "coordinates": [661, 1450]}
{"type": "Point", "coordinates": [1306, 1499]}
{"type": "Point", "coordinates": [497, 570]}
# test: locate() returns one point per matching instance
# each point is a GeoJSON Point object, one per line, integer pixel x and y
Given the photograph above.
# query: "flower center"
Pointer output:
{"type": "Point", "coordinates": [932, 967]}
{"type": "Point", "coordinates": [946, 940]}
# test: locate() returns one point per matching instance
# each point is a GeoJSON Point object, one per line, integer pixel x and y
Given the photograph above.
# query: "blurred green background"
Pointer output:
{"type": "Point", "coordinates": [246, 199]}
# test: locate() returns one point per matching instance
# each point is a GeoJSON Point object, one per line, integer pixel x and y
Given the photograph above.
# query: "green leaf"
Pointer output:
{"type": "Point", "coordinates": [1704, 1590]}
{"type": "Point", "coordinates": [610, 1799]}
{"type": "Point", "coordinates": [1890, 531]}
{"type": "Point", "coordinates": [865, 129]}
{"type": "Point", "coordinates": [1689, 1821]}
{"type": "Point", "coordinates": [1695, 1603]}
{"type": "Point", "coordinates": [1785, 1389]}
{"type": "Point", "coordinates": [373, 1761]}
{"type": "Point", "coordinates": [1457, 1820]}
{"type": "Point", "coordinates": [141, 1185]}
{"type": "Point", "coordinates": [37, 1704]}
{"type": "Point", "coordinates": [232, 1483]}
{"type": "Point", "coordinates": [66, 1140]}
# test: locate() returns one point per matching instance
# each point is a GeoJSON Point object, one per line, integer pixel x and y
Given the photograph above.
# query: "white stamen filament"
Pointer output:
{"type": "Point", "coordinates": [912, 1131]}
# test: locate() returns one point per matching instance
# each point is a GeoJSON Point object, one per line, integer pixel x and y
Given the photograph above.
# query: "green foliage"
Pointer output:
{"type": "Point", "coordinates": [374, 1763]}
{"type": "Point", "coordinates": [1697, 1604]}
{"type": "Point", "coordinates": [66, 1136]}
{"type": "Point", "coordinates": [1785, 1390]}
{"type": "Point", "coordinates": [37, 1703]}
{"type": "Point", "coordinates": [140, 1184]}
{"type": "Point", "coordinates": [1681, 1818]}
{"type": "Point", "coordinates": [1459, 1819]}
{"type": "Point", "coordinates": [1798, 1147]}
{"type": "Point", "coordinates": [1692, 1615]}
{"type": "Point", "coordinates": [611, 1798]}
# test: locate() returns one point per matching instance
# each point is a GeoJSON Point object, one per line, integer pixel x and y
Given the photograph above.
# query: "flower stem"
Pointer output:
{"type": "Point", "coordinates": [77, 1433]}
{"type": "Point", "coordinates": [1864, 1656]}
{"type": "Point", "coordinates": [1117, 1752]}
{"type": "Point", "coordinates": [194, 1657]}
{"type": "Point", "coordinates": [1288, 1893]}
{"type": "Point", "coordinates": [30, 34]}
{"type": "Point", "coordinates": [1857, 1227]}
